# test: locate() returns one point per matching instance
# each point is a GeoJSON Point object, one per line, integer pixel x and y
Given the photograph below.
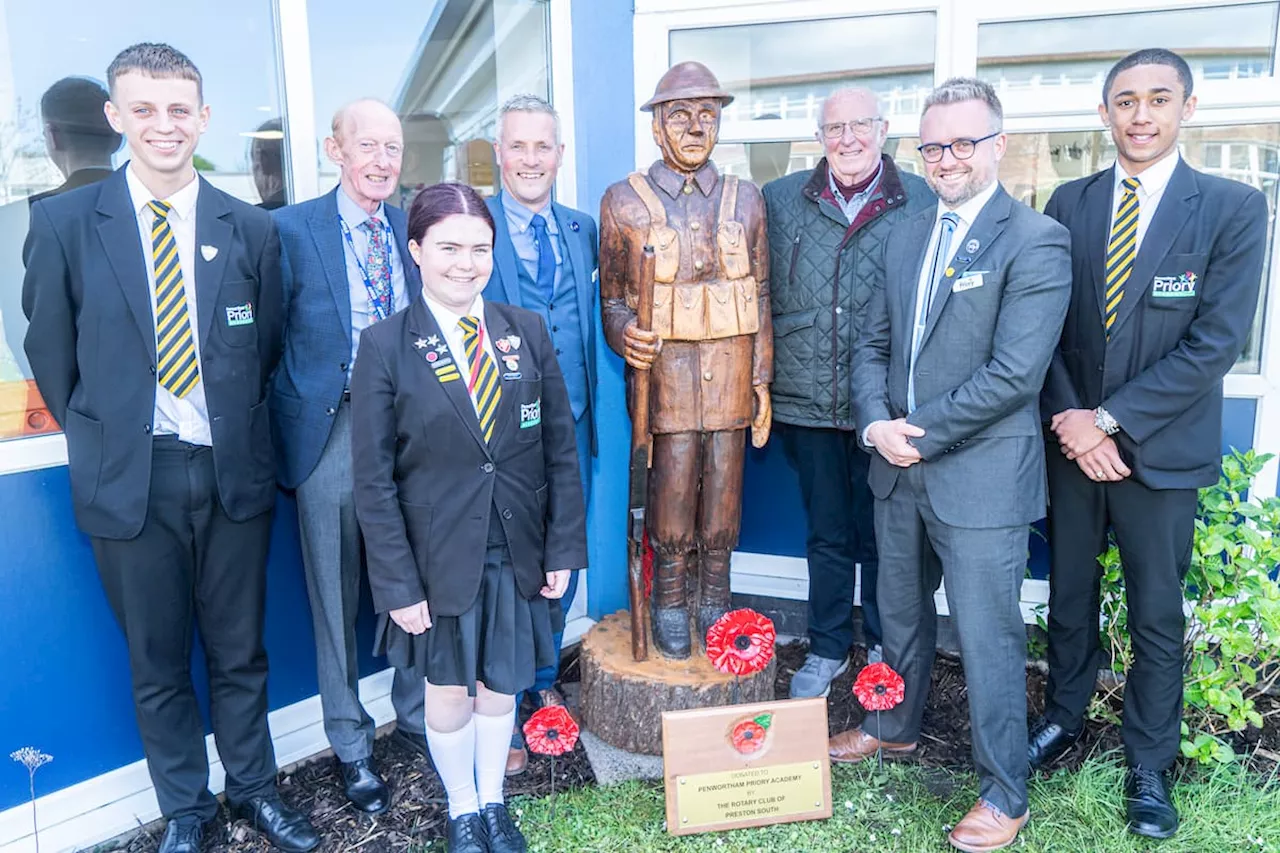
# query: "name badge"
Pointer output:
{"type": "Point", "coordinates": [240, 315]}
{"type": "Point", "coordinates": [967, 282]}
{"type": "Point", "coordinates": [1175, 286]}
{"type": "Point", "coordinates": [531, 414]}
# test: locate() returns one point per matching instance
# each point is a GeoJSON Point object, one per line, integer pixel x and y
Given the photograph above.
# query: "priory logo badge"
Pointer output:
{"type": "Point", "coordinates": [531, 414]}
{"type": "Point", "coordinates": [1175, 286]}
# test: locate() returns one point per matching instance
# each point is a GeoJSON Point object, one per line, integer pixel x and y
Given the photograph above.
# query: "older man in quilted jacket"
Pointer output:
{"type": "Point", "coordinates": [826, 230]}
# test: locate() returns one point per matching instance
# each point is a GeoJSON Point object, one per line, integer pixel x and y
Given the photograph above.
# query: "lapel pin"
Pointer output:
{"type": "Point", "coordinates": [502, 345]}
{"type": "Point", "coordinates": [420, 343]}
{"type": "Point", "coordinates": [573, 225]}
{"type": "Point", "coordinates": [514, 340]}
{"type": "Point", "coordinates": [972, 246]}
{"type": "Point", "coordinates": [513, 364]}
{"type": "Point", "coordinates": [208, 252]}
{"type": "Point", "coordinates": [432, 356]}
{"type": "Point", "coordinates": [433, 340]}
{"type": "Point", "coordinates": [950, 271]}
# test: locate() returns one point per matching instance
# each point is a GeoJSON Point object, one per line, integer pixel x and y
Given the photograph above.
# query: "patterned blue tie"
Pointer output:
{"type": "Point", "coordinates": [378, 265]}
{"type": "Point", "coordinates": [546, 258]}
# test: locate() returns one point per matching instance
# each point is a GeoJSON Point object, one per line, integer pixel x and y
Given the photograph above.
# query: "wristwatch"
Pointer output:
{"type": "Point", "coordinates": [1102, 420]}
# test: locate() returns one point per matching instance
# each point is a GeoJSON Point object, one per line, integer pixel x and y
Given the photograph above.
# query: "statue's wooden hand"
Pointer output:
{"type": "Point", "coordinates": [641, 347]}
{"type": "Point", "coordinates": [763, 421]}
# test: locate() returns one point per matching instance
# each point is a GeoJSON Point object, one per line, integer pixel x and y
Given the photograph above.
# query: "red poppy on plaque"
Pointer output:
{"type": "Point", "coordinates": [879, 688]}
{"type": "Point", "coordinates": [749, 737]}
{"type": "Point", "coordinates": [741, 642]}
{"type": "Point", "coordinates": [551, 731]}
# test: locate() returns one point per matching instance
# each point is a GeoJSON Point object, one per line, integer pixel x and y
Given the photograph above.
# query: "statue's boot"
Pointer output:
{"type": "Point", "coordinates": [670, 611]}
{"type": "Point", "coordinates": [713, 590]}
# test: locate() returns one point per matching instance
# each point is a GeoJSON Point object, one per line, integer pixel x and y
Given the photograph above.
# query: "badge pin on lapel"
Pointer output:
{"type": "Point", "coordinates": [972, 246]}
{"type": "Point", "coordinates": [208, 252]}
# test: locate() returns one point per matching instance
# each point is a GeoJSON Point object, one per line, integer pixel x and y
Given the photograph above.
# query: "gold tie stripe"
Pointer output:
{"type": "Point", "coordinates": [483, 382]}
{"type": "Point", "coordinates": [177, 368]}
{"type": "Point", "coordinates": [1122, 246]}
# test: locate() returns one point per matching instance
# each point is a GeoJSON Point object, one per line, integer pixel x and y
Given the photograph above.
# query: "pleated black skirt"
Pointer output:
{"type": "Point", "coordinates": [500, 641]}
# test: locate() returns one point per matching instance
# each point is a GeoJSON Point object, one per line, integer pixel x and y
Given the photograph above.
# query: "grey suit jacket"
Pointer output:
{"type": "Point", "coordinates": [982, 361]}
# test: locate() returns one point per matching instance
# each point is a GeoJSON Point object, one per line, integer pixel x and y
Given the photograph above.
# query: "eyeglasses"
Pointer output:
{"type": "Point", "coordinates": [859, 126]}
{"type": "Point", "coordinates": [961, 149]}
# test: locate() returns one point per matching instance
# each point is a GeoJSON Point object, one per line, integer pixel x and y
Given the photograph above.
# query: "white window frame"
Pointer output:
{"type": "Point", "coordinates": [297, 94]}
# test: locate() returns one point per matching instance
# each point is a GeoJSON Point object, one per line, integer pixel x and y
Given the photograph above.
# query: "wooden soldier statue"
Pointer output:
{"type": "Point", "coordinates": [710, 350]}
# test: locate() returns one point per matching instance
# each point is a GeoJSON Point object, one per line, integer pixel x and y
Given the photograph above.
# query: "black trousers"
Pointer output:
{"type": "Point", "coordinates": [841, 516]}
{"type": "Point", "coordinates": [192, 565]}
{"type": "Point", "coordinates": [1153, 529]}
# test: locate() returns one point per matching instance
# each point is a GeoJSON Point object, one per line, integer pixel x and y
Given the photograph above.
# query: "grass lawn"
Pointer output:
{"type": "Point", "coordinates": [910, 808]}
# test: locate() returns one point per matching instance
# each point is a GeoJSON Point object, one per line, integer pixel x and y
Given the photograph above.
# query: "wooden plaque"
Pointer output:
{"type": "Point", "coordinates": [737, 766]}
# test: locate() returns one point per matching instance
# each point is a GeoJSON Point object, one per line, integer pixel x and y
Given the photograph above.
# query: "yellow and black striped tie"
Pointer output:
{"type": "Point", "coordinates": [177, 367]}
{"type": "Point", "coordinates": [1121, 249]}
{"type": "Point", "coordinates": [483, 382]}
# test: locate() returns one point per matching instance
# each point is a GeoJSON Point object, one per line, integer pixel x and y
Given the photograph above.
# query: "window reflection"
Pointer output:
{"type": "Point", "coordinates": [445, 68]}
{"type": "Point", "coordinates": [54, 137]}
{"type": "Point", "coordinates": [785, 69]}
{"type": "Point", "coordinates": [1221, 43]}
{"type": "Point", "coordinates": [1036, 163]}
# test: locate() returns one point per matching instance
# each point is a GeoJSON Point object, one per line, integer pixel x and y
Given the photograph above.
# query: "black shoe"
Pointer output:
{"type": "Point", "coordinates": [467, 834]}
{"type": "Point", "coordinates": [1148, 808]}
{"type": "Point", "coordinates": [708, 615]}
{"type": "Point", "coordinates": [671, 632]}
{"type": "Point", "coordinates": [504, 837]}
{"type": "Point", "coordinates": [1047, 741]}
{"type": "Point", "coordinates": [183, 835]}
{"type": "Point", "coordinates": [364, 787]}
{"type": "Point", "coordinates": [285, 828]}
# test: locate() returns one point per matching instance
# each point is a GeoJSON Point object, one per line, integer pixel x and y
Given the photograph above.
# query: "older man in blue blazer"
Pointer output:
{"type": "Point", "coordinates": [346, 265]}
{"type": "Point", "coordinates": [545, 261]}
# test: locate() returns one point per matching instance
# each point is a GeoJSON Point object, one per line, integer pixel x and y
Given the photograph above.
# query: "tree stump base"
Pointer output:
{"type": "Point", "coordinates": [623, 699]}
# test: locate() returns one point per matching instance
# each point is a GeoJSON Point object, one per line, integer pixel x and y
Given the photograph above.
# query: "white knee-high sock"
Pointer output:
{"type": "Point", "coordinates": [454, 754]}
{"type": "Point", "coordinates": [493, 740]}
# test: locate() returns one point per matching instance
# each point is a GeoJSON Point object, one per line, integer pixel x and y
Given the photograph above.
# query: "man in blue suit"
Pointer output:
{"type": "Point", "coordinates": [346, 265]}
{"type": "Point", "coordinates": [545, 261]}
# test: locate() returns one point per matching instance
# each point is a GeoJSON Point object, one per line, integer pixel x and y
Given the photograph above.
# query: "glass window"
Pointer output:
{"type": "Point", "coordinates": [784, 70]}
{"type": "Point", "coordinates": [1036, 163]}
{"type": "Point", "coordinates": [445, 68]}
{"type": "Point", "coordinates": [762, 162]}
{"type": "Point", "coordinates": [53, 136]}
{"type": "Point", "coordinates": [1220, 43]}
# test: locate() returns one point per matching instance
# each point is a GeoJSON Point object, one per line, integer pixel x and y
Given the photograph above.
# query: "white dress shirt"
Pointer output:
{"type": "Point", "coordinates": [188, 417]}
{"type": "Point", "coordinates": [965, 213]}
{"type": "Point", "coordinates": [448, 319]}
{"type": "Point", "coordinates": [1151, 186]}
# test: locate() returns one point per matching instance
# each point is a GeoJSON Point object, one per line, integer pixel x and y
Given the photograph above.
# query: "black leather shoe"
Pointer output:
{"type": "Point", "coordinates": [504, 837]}
{"type": "Point", "coordinates": [364, 787]}
{"type": "Point", "coordinates": [468, 834]}
{"type": "Point", "coordinates": [1048, 741]}
{"type": "Point", "coordinates": [183, 835]}
{"type": "Point", "coordinates": [285, 828]}
{"type": "Point", "coordinates": [1148, 807]}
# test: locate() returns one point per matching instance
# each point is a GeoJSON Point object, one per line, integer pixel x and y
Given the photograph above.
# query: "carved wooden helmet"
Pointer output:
{"type": "Point", "coordinates": [687, 80]}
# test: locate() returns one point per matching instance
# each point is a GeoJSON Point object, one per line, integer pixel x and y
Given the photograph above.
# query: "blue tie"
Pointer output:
{"type": "Point", "coordinates": [546, 258]}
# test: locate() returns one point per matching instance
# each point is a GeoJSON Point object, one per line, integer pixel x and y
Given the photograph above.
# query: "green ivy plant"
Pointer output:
{"type": "Point", "coordinates": [1232, 601]}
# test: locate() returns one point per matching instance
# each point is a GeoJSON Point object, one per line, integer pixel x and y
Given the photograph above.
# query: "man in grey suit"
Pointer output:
{"type": "Point", "coordinates": [946, 378]}
{"type": "Point", "coordinates": [346, 265]}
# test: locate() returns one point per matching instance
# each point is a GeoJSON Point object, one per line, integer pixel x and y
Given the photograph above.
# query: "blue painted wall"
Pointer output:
{"type": "Point", "coordinates": [605, 116]}
{"type": "Point", "coordinates": [64, 680]}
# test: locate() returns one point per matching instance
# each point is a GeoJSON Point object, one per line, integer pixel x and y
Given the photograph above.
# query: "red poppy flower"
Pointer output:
{"type": "Point", "coordinates": [878, 687]}
{"type": "Point", "coordinates": [748, 736]}
{"type": "Point", "coordinates": [741, 642]}
{"type": "Point", "coordinates": [551, 731]}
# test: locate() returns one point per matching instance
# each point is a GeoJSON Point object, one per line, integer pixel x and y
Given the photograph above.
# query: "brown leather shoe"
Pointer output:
{"type": "Point", "coordinates": [985, 828]}
{"type": "Point", "coordinates": [517, 760]}
{"type": "Point", "coordinates": [852, 746]}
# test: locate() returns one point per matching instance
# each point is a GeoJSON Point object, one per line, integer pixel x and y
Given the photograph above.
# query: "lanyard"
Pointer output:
{"type": "Point", "coordinates": [380, 311]}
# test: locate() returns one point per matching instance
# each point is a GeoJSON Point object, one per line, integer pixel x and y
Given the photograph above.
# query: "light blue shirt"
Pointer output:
{"type": "Point", "coordinates": [361, 314]}
{"type": "Point", "coordinates": [519, 219]}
